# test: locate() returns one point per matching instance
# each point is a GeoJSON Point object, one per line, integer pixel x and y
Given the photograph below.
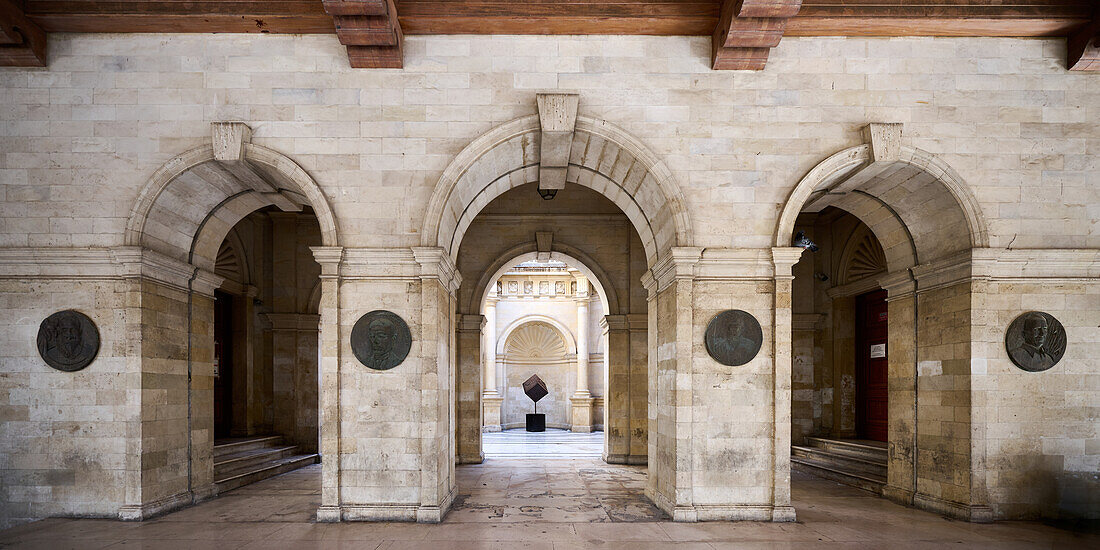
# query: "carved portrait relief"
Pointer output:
{"type": "Point", "coordinates": [528, 287]}
{"type": "Point", "coordinates": [68, 340]}
{"type": "Point", "coordinates": [1035, 341]}
{"type": "Point", "coordinates": [513, 287]}
{"type": "Point", "coordinates": [559, 287]}
{"type": "Point", "coordinates": [544, 287]}
{"type": "Point", "coordinates": [381, 340]}
{"type": "Point", "coordinates": [733, 337]}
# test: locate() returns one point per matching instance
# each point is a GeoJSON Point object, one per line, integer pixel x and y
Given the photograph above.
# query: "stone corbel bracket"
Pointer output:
{"type": "Point", "coordinates": [558, 118]}
{"type": "Point", "coordinates": [747, 30]}
{"type": "Point", "coordinates": [22, 42]}
{"type": "Point", "coordinates": [884, 140]}
{"type": "Point", "coordinates": [1083, 47]}
{"type": "Point", "coordinates": [229, 140]}
{"type": "Point", "coordinates": [370, 30]}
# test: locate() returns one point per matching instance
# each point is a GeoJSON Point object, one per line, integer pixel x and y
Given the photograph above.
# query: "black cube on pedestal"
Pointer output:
{"type": "Point", "coordinates": [536, 422]}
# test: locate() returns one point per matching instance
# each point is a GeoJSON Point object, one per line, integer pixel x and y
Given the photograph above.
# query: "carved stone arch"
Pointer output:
{"type": "Point", "coordinates": [566, 335]}
{"type": "Point", "coordinates": [191, 202]}
{"type": "Point", "coordinates": [907, 189]}
{"type": "Point", "coordinates": [564, 253]}
{"type": "Point", "coordinates": [603, 158]}
{"type": "Point", "coordinates": [862, 257]}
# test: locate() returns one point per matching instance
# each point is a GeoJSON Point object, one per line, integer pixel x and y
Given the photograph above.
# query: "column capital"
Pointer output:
{"type": "Point", "coordinates": [784, 258]}
{"type": "Point", "coordinates": [330, 258]}
{"type": "Point", "coordinates": [470, 323]}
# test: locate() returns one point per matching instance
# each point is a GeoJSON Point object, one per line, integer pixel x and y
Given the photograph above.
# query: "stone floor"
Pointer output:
{"type": "Point", "coordinates": [538, 504]}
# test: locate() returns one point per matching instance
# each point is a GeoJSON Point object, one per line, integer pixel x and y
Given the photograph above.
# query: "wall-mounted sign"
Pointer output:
{"type": "Point", "coordinates": [68, 340]}
{"type": "Point", "coordinates": [878, 351]}
{"type": "Point", "coordinates": [381, 340]}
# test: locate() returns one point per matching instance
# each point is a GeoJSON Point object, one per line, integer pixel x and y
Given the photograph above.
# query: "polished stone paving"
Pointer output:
{"type": "Point", "coordinates": [511, 504]}
{"type": "Point", "coordinates": [549, 445]}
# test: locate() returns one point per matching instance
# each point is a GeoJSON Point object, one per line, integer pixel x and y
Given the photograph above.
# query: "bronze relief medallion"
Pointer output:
{"type": "Point", "coordinates": [68, 340]}
{"type": "Point", "coordinates": [381, 340]}
{"type": "Point", "coordinates": [733, 337]}
{"type": "Point", "coordinates": [1035, 341]}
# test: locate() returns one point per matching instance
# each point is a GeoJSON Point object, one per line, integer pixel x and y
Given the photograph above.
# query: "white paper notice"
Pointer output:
{"type": "Point", "coordinates": [878, 351]}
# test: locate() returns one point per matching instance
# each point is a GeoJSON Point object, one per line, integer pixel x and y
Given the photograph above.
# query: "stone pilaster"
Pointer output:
{"type": "Point", "coordinates": [469, 390]}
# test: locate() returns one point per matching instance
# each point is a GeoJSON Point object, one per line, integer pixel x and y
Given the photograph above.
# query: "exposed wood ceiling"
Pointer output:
{"type": "Point", "coordinates": [373, 34]}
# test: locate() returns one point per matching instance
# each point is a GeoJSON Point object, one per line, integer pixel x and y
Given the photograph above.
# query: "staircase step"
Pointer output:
{"type": "Point", "coordinates": [223, 447]}
{"type": "Point", "coordinates": [264, 471]}
{"type": "Point", "coordinates": [867, 450]}
{"type": "Point", "coordinates": [841, 460]}
{"type": "Point", "coordinates": [228, 464]}
{"type": "Point", "coordinates": [861, 480]}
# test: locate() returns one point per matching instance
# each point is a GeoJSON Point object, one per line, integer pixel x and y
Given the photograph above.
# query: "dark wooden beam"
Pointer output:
{"type": "Point", "coordinates": [1083, 47]}
{"type": "Point", "coordinates": [370, 30]}
{"type": "Point", "coordinates": [22, 42]}
{"type": "Point", "coordinates": [747, 30]}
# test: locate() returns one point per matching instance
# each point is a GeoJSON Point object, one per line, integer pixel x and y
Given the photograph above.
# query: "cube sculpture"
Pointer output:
{"type": "Point", "coordinates": [535, 388]}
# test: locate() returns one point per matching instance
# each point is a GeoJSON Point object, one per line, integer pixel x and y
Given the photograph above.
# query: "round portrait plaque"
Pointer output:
{"type": "Point", "coordinates": [733, 337]}
{"type": "Point", "coordinates": [68, 340]}
{"type": "Point", "coordinates": [1035, 341]}
{"type": "Point", "coordinates": [381, 340]}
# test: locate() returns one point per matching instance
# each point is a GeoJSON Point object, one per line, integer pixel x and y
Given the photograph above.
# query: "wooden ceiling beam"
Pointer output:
{"type": "Point", "coordinates": [747, 30]}
{"type": "Point", "coordinates": [22, 42]}
{"type": "Point", "coordinates": [371, 31]}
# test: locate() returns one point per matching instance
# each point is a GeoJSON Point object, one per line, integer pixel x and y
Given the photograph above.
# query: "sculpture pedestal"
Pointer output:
{"type": "Point", "coordinates": [536, 422]}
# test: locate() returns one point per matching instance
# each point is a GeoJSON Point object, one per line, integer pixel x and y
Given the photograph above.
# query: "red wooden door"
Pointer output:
{"type": "Point", "coordinates": [871, 371]}
{"type": "Point", "coordinates": [223, 357]}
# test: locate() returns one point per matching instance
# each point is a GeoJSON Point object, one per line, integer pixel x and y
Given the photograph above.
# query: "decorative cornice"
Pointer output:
{"type": "Point", "coordinates": [678, 264]}
{"type": "Point", "coordinates": [897, 284]}
{"type": "Point", "coordinates": [944, 272]}
{"type": "Point", "coordinates": [470, 323]}
{"type": "Point", "coordinates": [435, 263]}
{"type": "Point", "coordinates": [115, 263]}
{"type": "Point", "coordinates": [1074, 264]}
{"type": "Point", "coordinates": [784, 258]}
{"type": "Point", "coordinates": [750, 264]}
{"type": "Point", "coordinates": [299, 322]}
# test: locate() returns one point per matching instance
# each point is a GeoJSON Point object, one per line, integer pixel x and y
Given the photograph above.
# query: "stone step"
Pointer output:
{"type": "Point", "coordinates": [828, 470]}
{"type": "Point", "coordinates": [264, 471]}
{"type": "Point", "coordinates": [840, 460]}
{"type": "Point", "coordinates": [873, 451]}
{"type": "Point", "coordinates": [223, 447]}
{"type": "Point", "coordinates": [227, 465]}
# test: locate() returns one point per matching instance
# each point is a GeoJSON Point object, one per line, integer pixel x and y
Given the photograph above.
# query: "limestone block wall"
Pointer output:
{"type": "Point", "coordinates": [1039, 455]}
{"type": "Point", "coordinates": [70, 441]}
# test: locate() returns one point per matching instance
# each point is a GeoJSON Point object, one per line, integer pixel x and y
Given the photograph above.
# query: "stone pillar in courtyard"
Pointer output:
{"type": "Point", "coordinates": [581, 417]}
{"type": "Point", "coordinates": [716, 443]}
{"type": "Point", "coordinates": [491, 399]}
{"type": "Point", "coordinates": [388, 435]}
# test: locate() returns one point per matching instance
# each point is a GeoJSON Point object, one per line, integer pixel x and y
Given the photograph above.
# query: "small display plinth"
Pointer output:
{"type": "Point", "coordinates": [536, 422]}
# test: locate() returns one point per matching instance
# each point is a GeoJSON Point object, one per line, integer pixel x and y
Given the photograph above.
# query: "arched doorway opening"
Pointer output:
{"type": "Point", "coordinates": [881, 322]}
{"type": "Point", "coordinates": [230, 220]}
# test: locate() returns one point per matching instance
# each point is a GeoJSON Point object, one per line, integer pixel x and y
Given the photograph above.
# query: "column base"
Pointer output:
{"type": "Point", "coordinates": [490, 411]}
{"type": "Point", "coordinates": [581, 412]}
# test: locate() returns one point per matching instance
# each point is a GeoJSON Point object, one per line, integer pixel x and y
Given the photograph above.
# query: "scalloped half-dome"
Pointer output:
{"type": "Point", "coordinates": [535, 339]}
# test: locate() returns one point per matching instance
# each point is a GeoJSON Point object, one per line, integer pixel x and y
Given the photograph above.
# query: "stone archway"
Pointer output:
{"type": "Point", "coordinates": [178, 223]}
{"type": "Point", "coordinates": [891, 188]}
{"type": "Point", "coordinates": [603, 158]}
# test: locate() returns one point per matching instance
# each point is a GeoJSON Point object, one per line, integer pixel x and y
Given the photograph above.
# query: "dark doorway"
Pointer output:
{"type": "Point", "coordinates": [223, 364]}
{"type": "Point", "coordinates": [871, 366]}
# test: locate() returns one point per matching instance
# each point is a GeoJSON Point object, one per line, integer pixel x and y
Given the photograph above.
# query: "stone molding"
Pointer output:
{"type": "Point", "coordinates": [1069, 265]}
{"type": "Point", "coordinates": [749, 264]}
{"type": "Point", "coordinates": [141, 512]}
{"type": "Point", "coordinates": [115, 263]}
{"type": "Point", "coordinates": [470, 323]}
{"type": "Point", "coordinates": [680, 263]}
{"type": "Point", "coordinates": [855, 288]}
{"type": "Point", "coordinates": [783, 259]}
{"type": "Point", "coordinates": [401, 264]}
{"type": "Point", "coordinates": [807, 321]}
{"type": "Point", "coordinates": [298, 322]}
